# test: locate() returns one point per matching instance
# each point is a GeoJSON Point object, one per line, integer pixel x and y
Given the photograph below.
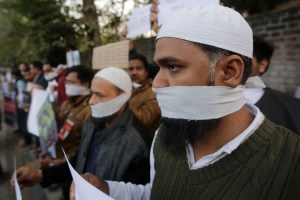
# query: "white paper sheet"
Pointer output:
{"type": "Point", "coordinates": [139, 22]}
{"type": "Point", "coordinates": [38, 99]}
{"type": "Point", "coordinates": [83, 189]}
{"type": "Point", "coordinates": [73, 58]}
{"type": "Point", "coordinates": [166, 8]}
{"type": "Point", "coordinates": [17, 187]}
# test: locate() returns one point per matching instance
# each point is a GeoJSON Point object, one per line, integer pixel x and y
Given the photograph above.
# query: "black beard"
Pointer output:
{"type": "Point", "coordinates": [177, 132]}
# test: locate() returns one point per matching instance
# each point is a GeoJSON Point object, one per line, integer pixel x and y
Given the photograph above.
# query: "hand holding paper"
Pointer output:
{"type": "Point", "coordinates": [83, 189]}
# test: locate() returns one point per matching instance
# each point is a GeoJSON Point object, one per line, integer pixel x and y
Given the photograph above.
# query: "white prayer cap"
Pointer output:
{"type": "Point", "coordinates": [118, 77]}
{"type": "Point", "coordinates": [213, 25]}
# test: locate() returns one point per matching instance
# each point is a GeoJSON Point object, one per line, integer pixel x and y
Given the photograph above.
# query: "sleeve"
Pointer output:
{"type": "Point", "coordinates": [128, 191]}
{"type": "Point", "coordinates": [58, 173]}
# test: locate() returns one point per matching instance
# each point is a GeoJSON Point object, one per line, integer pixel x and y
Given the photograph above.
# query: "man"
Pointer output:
{"type": "Point", "coordinates": [211, 145]}
{"type": "Point", "coordinates": [39, 81]}
{"type": "Point", "coordinates": [280, 108]}
{"type": "Point", "coordinates": [57, 79]}
{"type": "Point", "coordinates": [72, 113]}
{"type": "Point", "coordinates": [143, 102]}
{"type": "Point", "coordinates": [114, 144]}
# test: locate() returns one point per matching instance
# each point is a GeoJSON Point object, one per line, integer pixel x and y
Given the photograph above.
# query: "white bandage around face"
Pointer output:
{"type": "Point", "coordinates": [199, 102]}
{"type": "Point", "coordinates": [75, 90]}
{"type": "Point", "coordinates": [110, 107]}
{"type": "Point", "coordinates": [254, 82]}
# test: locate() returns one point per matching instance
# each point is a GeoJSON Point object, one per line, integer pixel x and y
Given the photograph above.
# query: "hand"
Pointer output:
{"type": "Point", "coordinates": [154, 16]}
{"type": "Point", "coordinates": [27, 177]}
{"type": "Point", "coordinates": [94, 180]}
{"type": "Point", "coordinates": [45, 160]}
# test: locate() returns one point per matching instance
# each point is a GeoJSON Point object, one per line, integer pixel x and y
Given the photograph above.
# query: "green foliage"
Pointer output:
{"type": "Point", "coordinates": [29, 28]}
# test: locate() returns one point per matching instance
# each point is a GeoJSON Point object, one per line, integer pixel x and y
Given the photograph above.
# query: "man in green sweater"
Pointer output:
{"type": "Point", "coordinates": [211, 144]}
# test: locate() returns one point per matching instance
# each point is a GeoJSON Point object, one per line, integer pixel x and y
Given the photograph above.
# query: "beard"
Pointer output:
{"type": "Point", "coordinates": [179, 132]}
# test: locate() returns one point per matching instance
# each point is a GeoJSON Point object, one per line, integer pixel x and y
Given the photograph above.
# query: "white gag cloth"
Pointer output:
{"type": "Point", "coordinates": [110, 107]}
{"type": "Point", "coordinates": [51, 75]}
{"type": "Point", "coordinates": [119, 78]}
{"type": "Point", "coordinates": [199, 102]}
{"type": "Point", "coordinates": [76, 90]}
{"type": "Point", "coordinates": [255, 82]}
{"type": "Point", "coordinates": [213, 25]}
{"type": "Point", "coordinates": [136, 85]}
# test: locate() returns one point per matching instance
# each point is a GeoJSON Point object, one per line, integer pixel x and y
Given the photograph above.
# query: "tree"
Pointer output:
{"type": "Point", "coordinates": [34, 27]}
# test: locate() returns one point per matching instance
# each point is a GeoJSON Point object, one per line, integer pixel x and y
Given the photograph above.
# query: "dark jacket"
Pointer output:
{"type": "Point", "coordinates": [123, 154]}
{"type": "Point", "coordinates": [281, 109]}
{"type": "Point", "coordinates": [40, 80]}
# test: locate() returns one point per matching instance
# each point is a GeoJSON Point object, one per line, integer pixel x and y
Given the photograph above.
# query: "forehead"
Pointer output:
{"type": "Point", "coordinates": [72, 75]}
{"type": "Point", "coordinates": [100, 84]}
{"type": "Point", "coordinates": [178, 48]}
{"type": "Point", "coordinates": [136, 63]}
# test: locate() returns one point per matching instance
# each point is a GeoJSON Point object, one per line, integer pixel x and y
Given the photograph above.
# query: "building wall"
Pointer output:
{"type": "Point", "coordinates": [281, 28]}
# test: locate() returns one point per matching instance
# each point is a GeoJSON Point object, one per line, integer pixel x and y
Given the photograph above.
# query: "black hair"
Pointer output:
{"type": "Point", "coordinates": [215, 53]}
{"type": "Point", "coordinates": [262, 50]}
{"type": "Point", "coordinates": [141, 58]}
{"type": "Point", "coordinates": [84, 74]}
{"type": "Point", "coordinates": [37, 64]}
{"type": "Point", "coordinates": [16, 72]}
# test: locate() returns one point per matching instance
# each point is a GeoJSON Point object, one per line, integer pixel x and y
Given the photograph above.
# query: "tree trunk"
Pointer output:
{"type": "Point", "coordinates": [91, 21]}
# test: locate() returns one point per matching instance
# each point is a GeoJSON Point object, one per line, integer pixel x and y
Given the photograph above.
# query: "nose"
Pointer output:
{"type": "Point", "coordinates": [92, 100]}
{"type": "Point", "coordinates": [160, 80]}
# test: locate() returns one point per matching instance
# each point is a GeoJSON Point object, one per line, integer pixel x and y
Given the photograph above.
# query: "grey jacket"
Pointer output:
{"type": "Point", "coordinates": [123, 150]}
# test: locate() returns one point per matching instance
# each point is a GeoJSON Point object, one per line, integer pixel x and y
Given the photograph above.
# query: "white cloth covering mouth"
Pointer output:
{"type": "Point", "coordinates": [199, 102]}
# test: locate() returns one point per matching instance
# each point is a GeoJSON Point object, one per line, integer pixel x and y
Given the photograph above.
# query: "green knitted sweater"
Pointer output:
{"type": "Point", "coordinates": [265, 166]}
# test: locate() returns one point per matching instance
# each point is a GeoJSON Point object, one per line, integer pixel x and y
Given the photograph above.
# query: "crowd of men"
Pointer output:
{"type": "Point", "coordinates": [200, 130]}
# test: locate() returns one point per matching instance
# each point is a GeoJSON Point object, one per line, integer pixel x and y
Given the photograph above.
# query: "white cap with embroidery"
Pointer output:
{"type": "Point", "coordinates": [213, 25]}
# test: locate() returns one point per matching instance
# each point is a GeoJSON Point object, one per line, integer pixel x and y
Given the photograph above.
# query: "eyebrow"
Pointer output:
{"type": "Point", "coordinates": [166, 60]}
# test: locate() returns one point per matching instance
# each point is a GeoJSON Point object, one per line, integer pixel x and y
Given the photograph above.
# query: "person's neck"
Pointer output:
{"type": "Point", "coordinates": [229, 128]}
{"type": "Point", "coordinates": [109, 122]}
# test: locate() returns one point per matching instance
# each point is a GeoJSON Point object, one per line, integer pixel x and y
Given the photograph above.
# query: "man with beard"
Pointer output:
{"type": "Point", "coordinates": [72, 114]}
{"type": "Point", "coordinates": [211, 145]}
{"type": "Point", "coordinates": [143, 101]}
{"type": "Point", "coordinates": [114, 145]}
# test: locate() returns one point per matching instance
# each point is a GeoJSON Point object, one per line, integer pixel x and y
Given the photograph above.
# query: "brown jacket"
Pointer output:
{"type": "Point", "coordinates": [145, 107]}
{"type": "Point", "coordinates": [77, 113]}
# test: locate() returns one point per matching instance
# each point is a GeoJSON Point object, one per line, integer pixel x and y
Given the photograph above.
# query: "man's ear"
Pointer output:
{"type": "Point", "coordinates": [262, 66]}
{"type": "Point", "coordinates": [229, 71]}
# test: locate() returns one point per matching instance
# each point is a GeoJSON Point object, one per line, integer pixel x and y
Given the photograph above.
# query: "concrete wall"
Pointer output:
{"type": "Point", "coordinates": [282, 28]}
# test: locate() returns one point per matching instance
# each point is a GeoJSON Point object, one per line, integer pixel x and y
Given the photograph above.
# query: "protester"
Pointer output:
{"type": "Point", "coordinates": [39, 81]}
{"type": "Point", "coordinates": [143, 102]}
{"type": "Point", "coordinates": [72, 114]}
{"type": "Point", "coordinates": [20, 86]}
{"type": "Point", "coordinates": [56, 82]}
{"type": "Point", "coordinates": [280, 108]}
{"type": "Point", "coordinates": [114, 146]}
{"type": "Point", "coordinates": [211, 144]}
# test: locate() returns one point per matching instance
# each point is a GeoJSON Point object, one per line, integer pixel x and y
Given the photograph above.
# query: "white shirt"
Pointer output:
{"type": "Point", "coordinates": [129, 191]}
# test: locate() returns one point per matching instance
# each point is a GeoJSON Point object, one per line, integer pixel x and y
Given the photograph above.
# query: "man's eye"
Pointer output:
{"type": "Point", "coordinates": [173, 68]}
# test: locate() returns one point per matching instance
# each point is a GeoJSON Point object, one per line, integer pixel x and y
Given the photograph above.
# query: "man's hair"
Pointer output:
{"type": "Point", "coordinates": [141, 58]}
{"type": "Point", "coordinates": [37, 64]}
{"type": "Point", "coordinates": [262, 50]}
{"type": "Point", "coordinates": [215, 54]}
{"type": "Point", "coordinates": [84, 74]}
